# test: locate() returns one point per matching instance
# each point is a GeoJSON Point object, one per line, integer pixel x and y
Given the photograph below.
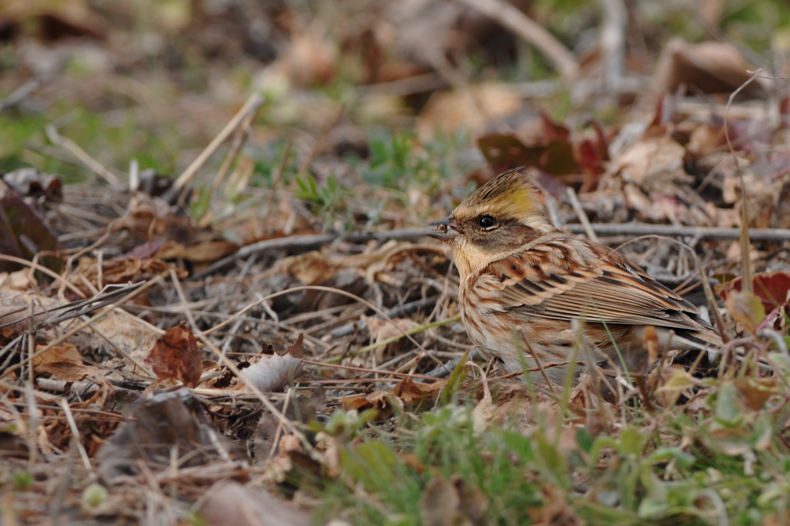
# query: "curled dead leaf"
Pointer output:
{"type": "Point", "coordinates": [746, 309]}
{"type": "Point", "coordinates": [205, 252]}
{"type": "Point", "coordinates": [274, 372]}
{"type": "Point", "coordinates": [415, 394]}
{"type": "Point", "coordinates": [175, 356]}
{"type": "Point", "coordinates": [63, 362]}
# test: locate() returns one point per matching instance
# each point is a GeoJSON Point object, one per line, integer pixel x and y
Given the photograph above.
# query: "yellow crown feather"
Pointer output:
{"type": "Point", "coordinates": [510, 194]}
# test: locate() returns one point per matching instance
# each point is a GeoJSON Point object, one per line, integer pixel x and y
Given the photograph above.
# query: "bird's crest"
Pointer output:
{"type": "Point", "coordinates": [510, 193]}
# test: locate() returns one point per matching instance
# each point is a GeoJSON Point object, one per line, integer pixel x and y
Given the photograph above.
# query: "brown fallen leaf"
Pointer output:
{"type": "Point", "coordinates": [175, 356]}
{"type": "Point", "coordinates": [473, 108]}
{"type": "Point", "coordinates": [63, 362]}
{"type": "Point", "coordinates": [746, 309]}
{"type": "Point", "coordinates": [17, 309]}
{"type": "Point", "coordinates": [205, 252]}
{"type": "Point", "coordinates": [415, 394]}
{"type": "Point", "coordinates": [232, 503]}
{"type": "Point", "coordinates": [381, 401]}
{"type": "Point", "coordinates": [384, 329]}
{"type": "Point", "coordinates": [708, 67]}
{"type": "Point", "coordinates": [24, 232]}
{"type": "Point", "coordinates": [773, 288]}
{"type": "Point", "coordinates": [311, 268]}
{"type": "Point", "coordinates": [755, 392]}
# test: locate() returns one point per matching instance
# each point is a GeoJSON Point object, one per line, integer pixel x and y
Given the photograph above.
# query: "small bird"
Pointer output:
{"type": "Point", "coordinates": [524, 282]}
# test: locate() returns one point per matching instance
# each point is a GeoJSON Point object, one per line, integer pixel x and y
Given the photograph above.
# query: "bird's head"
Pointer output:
{"type": "Point", "coordinates": [500, 216]}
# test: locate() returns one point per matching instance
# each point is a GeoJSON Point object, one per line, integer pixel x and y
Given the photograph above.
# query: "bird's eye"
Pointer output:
{"type": "Point", "coordinates": [487, 221]}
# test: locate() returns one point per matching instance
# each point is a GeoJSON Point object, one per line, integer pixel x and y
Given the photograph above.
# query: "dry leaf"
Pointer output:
{"type": "Point", "coordinates": [384, 329]}
{"type": "Point", "coordinates": [415, 394]}
{"type": "Point", "coordinates": [378, 400]}
{"type": "Point", "coordinates": [64, 362]}
{"type": "Point", "coordinates": [231, 503]}
{"type": "Point", "coordinates": [24, 232]}
{"type": "Point", "coordinates": [439, 504]}
{"type": "Point", "coordinates": [472, 108]}
{"type": "Point", "coordinates": [746, 309]}
{"type": "Point", "coordinates": [175, 356]}
{"type": "Point", "coordinates": [757, 391]}
{"type": "Point", "coordinates": [650, 163]}
{"type": "Point", "coordinates": [272, 373]}
{"type": "Point", "coordinates": [709, 67]}
{"type": "Point", "coordinates": [311, 268]}
{"type": "Point", "coordinates": [205, 252]}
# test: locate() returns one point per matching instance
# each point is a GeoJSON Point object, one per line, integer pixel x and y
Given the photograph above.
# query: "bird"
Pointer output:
{"type": "Point", "coordinates": [527, 289]}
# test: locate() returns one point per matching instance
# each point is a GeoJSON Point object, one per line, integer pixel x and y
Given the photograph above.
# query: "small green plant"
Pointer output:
{"type": "Point", "coordinates": [397, 160]}
{"type": "Point", "coordinates": [385, 476]}
{"type": "Point", "coordinates": [325, 200]}
{"type": "Point", "coordinates": [22, 480]}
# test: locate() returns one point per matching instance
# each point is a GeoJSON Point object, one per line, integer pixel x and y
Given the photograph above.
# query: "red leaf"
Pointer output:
{"type": "Point", "coordinates": [23, 231]}
{"type": "Point", "coordinates": [771, 287]}
{"type": "Point", "coordinates": [554, 130]}
{"type": "Point", "coordinates": [505, 151]}
{"type": "Point", "coordinates": [175, 356]}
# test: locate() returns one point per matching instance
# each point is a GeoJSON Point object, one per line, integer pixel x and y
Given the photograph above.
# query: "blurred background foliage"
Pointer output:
{"type": "Point", "coordinates": [154, 80]}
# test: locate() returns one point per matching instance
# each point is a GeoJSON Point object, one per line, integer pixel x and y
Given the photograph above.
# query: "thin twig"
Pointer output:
{"type": "Point", "coordinates": [746, 263]}
{"type": "Point", "coordinates": [612, 40]}
{"type": "Point", "coordinates": [19, 94]}
{"type": "Point", "coordinates": [81, 155]}
{"type": "Point", "coordinates": [526, 28]}
{"type": "Point", "coordinates": [642, 229]}
{"type": "Point", "coordinates": [242, 133]}
{"type": "Point", "coordinates": [252, 104]}
{"type": "Point", "coordinates": [577, 207]}
{"type": "Point", "coordinates": [278, 177]}
{"type": "Point", "coordinates": [75, 435]}
{"type": "Point", "coordinates": [318, 143]}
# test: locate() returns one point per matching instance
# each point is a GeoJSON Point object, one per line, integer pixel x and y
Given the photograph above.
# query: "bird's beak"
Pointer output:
{"type": "Point", "coordinates": [445, 229]}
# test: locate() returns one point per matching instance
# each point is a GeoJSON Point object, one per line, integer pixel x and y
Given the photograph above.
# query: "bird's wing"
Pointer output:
{"type": "Point", "coordinates": [606, 287]}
